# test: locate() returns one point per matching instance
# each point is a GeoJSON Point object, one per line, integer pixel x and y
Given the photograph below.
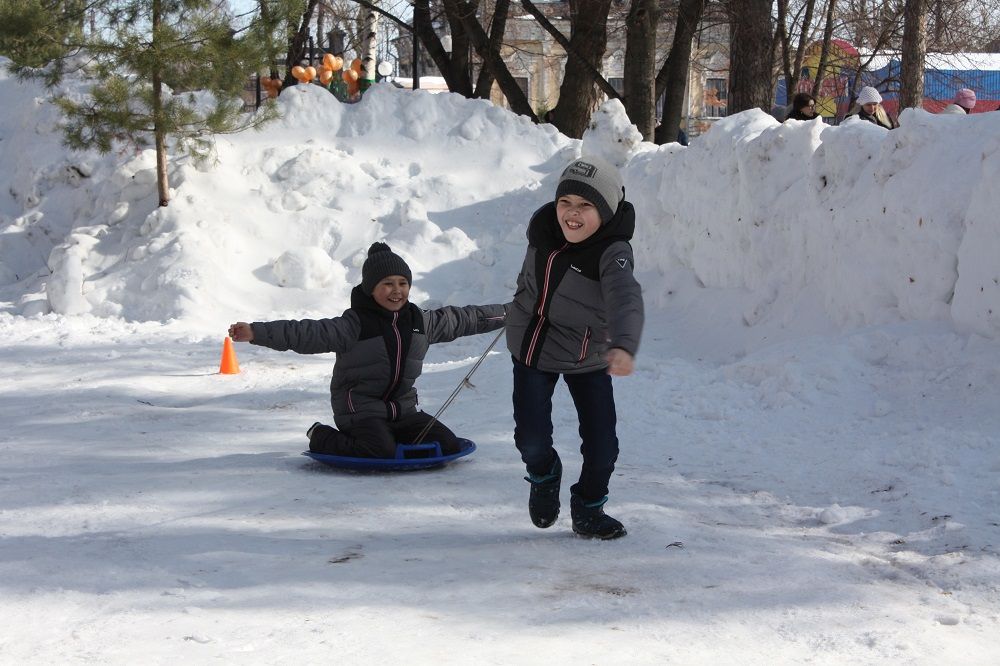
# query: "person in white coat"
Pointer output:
{"type": "Point", "coordinates": [965, 102]}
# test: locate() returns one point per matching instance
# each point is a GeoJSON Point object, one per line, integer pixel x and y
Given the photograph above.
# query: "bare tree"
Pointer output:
{"type": "Point", "coordinates": [369, 46]}
{"type": "Point", "coordinates": [489, 53]}
{"type": "Point", "coordinates": [750, 54]}
{"type": "Point", "coordinates": [298, 42]}
{"type": "Point", "coordinates": [456, 66]}
{"type": "Point", "coordinates": [824, 52]}
{"type": "Point", "coordinates": [911, 85]}
{"type": "Point", "coordinates": [571, 52]}
{"type": "Point", "coordinates": [789, 27]}
{"type": "Point", "coordinates": [640, 65]}
{"type": "Point", "coordinates": [589, 39]}
{"type": "Point", "coordinates": [497, 29]}
{"type": "Point", "coordinates": [671, 80]}
{"type": "Point", "coordinates": [872, 24]}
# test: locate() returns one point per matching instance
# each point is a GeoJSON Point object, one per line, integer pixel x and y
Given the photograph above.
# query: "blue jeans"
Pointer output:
{"type": "Point", "coordinates": [595, 407]}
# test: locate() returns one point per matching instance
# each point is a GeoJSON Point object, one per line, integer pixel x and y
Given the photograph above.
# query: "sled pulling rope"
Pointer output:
{"type": "Point", "coordinates": [462, 384]}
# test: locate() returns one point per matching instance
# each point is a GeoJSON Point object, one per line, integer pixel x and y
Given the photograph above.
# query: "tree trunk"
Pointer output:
{"type": "Point", "coordinates": [490, 56]}
{"type": "Point", "coordinates": [455, 67]}
{"type": "Point", "coordinates": [589, 39]}
{"type": "Point", "coordinates": [750, 39]}
{"type": "Point", "coordinates": [640, 65]}
{"type": "Point", "coordinates": [159, 135]}
{"type": "Point", "coordinates": [485, 81]}
{"type": "Point", "coordinates": [370, 44]}
{"type": "Point", "coordinates": [800, 50]}
{"type": "Point", "coordinates": [911, 75]}
{"type": "Point", "coordinates": [265, 15]}
{"type": "Point", "coordinates": [321, 24]}
{"type": "Point", "coordinates": [786, 59]}
{"type": "Point", "coordinates": [938, 24]}
{"type": "Point", "coordinates": [297, 45]}
{"type": "Point", "coordinates": [792, 66]}
{"type": "Point", "coordinates": [602, 83]}
{"type": "Point", "coordinates": [824, 53]}
{"type": "Point", "coordinates": [672, 79]}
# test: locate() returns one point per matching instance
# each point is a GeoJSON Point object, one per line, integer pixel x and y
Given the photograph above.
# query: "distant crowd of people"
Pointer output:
{"type": "Point", "coordinates": [868, 106]}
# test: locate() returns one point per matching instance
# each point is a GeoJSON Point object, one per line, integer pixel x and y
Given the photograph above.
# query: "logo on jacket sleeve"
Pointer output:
{"type": "Point", "coordinates": [622, 262]}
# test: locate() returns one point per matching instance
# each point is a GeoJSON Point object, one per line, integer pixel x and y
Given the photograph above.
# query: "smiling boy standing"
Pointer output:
{"type": "Point", "coordinates": [577, 313]}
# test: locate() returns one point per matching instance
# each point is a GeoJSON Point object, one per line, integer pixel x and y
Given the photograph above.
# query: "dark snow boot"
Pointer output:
{"type": "Point", "coordinates": [543, 502]}
{"type": "Point", "coordinates": [590, 521]}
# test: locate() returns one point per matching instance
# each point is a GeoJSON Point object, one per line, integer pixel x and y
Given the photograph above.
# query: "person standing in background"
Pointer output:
{"type": "Point", "coordinates": [964, 103]}
{"type": "Point", "coordinates": [803, 107]}
{"type": "Point", "coordinates": [869, 107]}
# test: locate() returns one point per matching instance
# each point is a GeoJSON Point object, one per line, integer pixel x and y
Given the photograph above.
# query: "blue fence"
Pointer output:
{"type": "Point", "coordinates": [940, 86]}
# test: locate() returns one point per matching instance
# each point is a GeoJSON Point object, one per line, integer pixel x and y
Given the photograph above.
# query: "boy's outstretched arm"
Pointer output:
{"type": "Point", "coordinates": [305, 336]}
{"type": "Point", "coordinates": [450, 322]}
{"type": "Point", "coordinates": [241, 332]}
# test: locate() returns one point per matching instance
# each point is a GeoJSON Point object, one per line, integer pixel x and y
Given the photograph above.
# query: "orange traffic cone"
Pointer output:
{"type": "Point", "coordinates": [229, 365]}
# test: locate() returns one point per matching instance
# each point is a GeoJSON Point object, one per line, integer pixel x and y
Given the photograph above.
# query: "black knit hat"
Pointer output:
{"type": "Point", "coordinates": [597, 181]}
{"type": "Point", "coordinates": [380, 264]}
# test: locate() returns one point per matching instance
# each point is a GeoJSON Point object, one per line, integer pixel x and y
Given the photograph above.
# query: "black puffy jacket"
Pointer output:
{"type": "Point", "coordinates": [380, 353]}
{"type": "Point", "coordinates": [575, 300]}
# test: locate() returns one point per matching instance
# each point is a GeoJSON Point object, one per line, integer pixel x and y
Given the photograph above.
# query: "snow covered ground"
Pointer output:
{"type": "Point", "coordinates": [810, 444]}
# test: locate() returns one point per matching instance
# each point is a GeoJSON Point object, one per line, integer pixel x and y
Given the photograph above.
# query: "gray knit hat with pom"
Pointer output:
{"type": "Point", "coordinates": [380, 264]}
{"type": "Point", "coordinates": [595, 180]}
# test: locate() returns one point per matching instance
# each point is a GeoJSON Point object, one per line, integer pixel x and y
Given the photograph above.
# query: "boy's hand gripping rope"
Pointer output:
{"type": "Point", "coordinates": [462, 384]}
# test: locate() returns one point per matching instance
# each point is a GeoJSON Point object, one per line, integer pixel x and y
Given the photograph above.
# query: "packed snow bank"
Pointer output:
{"type": "Point", "coordinates": [859, 225]}
{"type": "Point", "coordinates": [878, 226]}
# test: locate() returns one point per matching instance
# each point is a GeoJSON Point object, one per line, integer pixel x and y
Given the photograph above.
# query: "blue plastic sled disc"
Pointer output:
{"type": "Point", "coordinates": [408, 457]}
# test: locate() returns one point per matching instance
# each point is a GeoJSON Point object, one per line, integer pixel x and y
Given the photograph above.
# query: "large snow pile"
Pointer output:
{"type": "Point", "coordinates": [861, 225]}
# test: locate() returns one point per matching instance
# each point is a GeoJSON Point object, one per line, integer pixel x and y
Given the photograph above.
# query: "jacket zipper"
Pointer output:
{"type": "Point", "coordinates": [586, 343]}
{"type": "Point", "coordinates": [395, 378]}
{"type": "Point", "coordinates": [541, 305]}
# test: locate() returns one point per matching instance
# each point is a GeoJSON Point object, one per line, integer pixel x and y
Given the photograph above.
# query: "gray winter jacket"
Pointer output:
{"type": "Point", "coordinates": [574, 301]}
{"type": "Point", "coordinates": [380, 353]}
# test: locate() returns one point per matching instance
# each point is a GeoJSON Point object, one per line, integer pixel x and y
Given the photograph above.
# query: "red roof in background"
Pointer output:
{"type": "Point", "coordinates": [845, 46]}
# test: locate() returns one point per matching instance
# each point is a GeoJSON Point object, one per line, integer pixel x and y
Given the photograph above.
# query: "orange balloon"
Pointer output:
{"type": "Point", "coordinates": [328, 61]}
{"type": "Point", "coordinates": [326, 76]}
{"type": "Point", "coordinates": [310, 73]}
{"type": "Point", "coordinates": [350, 76]}
{"type": "Point", "coordinates": [299, 72]}
{"type": "Point", "coordinates": [338, 63]}
{"type": "Point", "coordinates": [356, 65]}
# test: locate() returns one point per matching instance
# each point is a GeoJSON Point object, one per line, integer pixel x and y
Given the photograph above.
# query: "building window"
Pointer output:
{"type": "Point", "coordinates": [618, 83]}
{"type": "Point", "coordinates": [522, 83]}
{"type": "Point", "coordinates": [716, 97]}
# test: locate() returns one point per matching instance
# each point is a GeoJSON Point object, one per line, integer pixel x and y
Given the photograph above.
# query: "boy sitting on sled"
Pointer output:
{"type": "Point", "coordinates": [380, 342]}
